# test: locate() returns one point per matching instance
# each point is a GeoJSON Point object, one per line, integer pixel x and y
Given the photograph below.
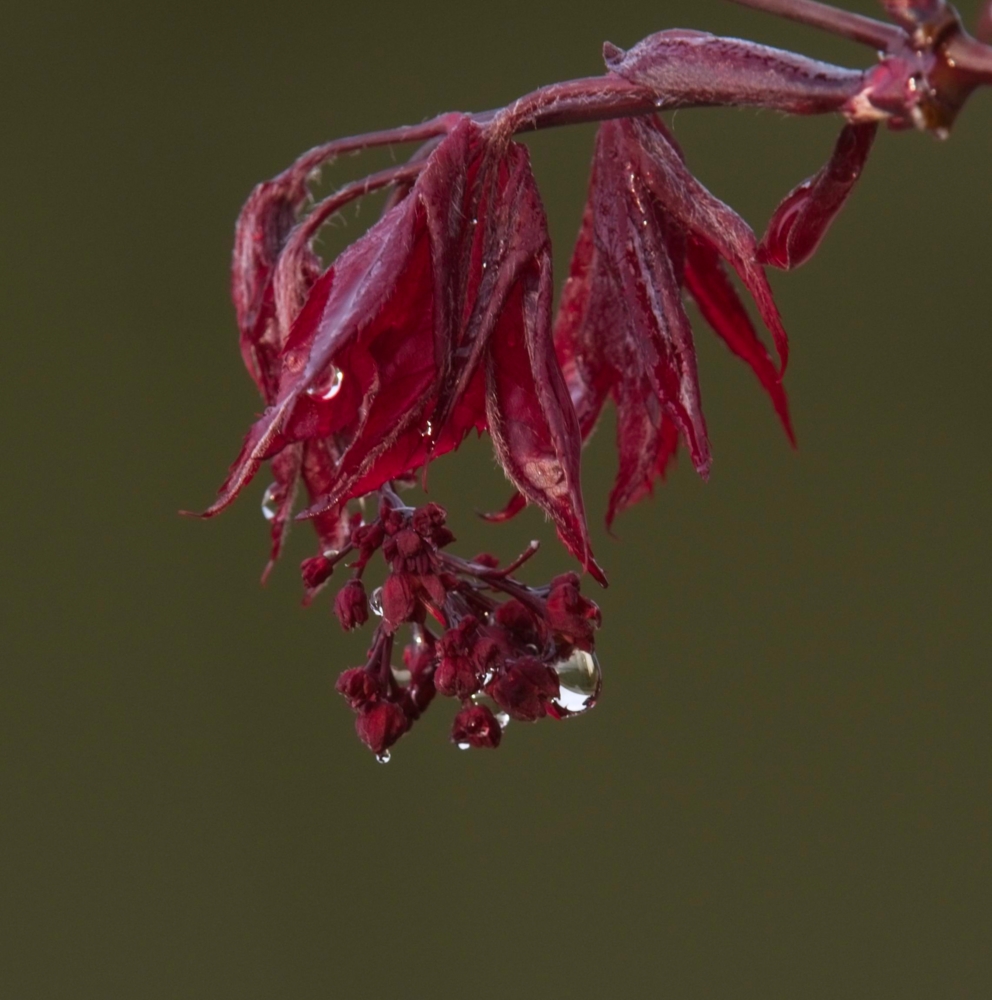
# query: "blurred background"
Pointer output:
{"type": "Point", "coordinates": [784, 791]}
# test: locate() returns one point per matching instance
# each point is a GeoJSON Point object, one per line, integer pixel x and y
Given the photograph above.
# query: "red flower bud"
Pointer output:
{"type": "Point", "coordinates": [524, 689]}
{"type": "Point", "coordinates": [352, 605]}
{"type": "Point", "coordinates": [476, 726]}
{"type": "Point", "coordinates": [316, 572]}
{"type": "Point", "coordinates": [571, 615]}
{"type": "Point", "coordinates": [456, 677]}
{"type": "Point", "coordinates": [381, 726]}
{"type": "Point", "coordinates": [399, 601]}
{"type": "Point", "coordinates": [359, 688]}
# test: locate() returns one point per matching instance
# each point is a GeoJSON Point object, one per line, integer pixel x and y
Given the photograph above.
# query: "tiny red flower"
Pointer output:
{"type": "Point", "coordinates": [571, 616]}
{"type": "Point", "coordinates": [380, 726]}
{"type": "Point", "coordinates": [399, 599]}
{"type": "Point", "coordinates": [476, 726]}
{"type": "Point", "coordinates": [359, 688]}
{"type": "Point", "coordinates": [352, 605]}
{"type": "Point", "coordinates": [524, 689]}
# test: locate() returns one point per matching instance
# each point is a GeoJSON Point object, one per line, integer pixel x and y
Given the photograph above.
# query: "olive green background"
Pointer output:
{"type": "Point", "coordinates": [785, 789]}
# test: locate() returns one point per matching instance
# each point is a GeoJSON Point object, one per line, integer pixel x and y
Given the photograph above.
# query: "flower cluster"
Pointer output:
{"type": "Point", "coordinates": [503, 649]}
{"type": "Point", "coordinates": [438, 322]}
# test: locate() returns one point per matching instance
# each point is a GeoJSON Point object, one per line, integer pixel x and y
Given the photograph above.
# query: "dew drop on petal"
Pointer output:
{"type": "Point", "coordinates": [375, 601]}
{"type": "Point", "coordinates": [384, 757]}
{"type": "Point", "coordinates": [269, 502]}
{"type": "Point", "coordinates": [328, 385]}
{"type": "Point", "coordinates": [580, 680]}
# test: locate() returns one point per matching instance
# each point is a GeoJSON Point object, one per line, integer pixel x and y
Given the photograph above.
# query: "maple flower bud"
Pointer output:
{"type": "Point", "coordinates": [456, 675]}
{"type": "Point", "coordinates": [352, 605]}
{"type": "Point", "coordinates": [399, 599]}
{"type": "Point", "coordinates": [429, 523]}
{"type": "Point", "coordinates": [571, 615]}
{"type": "Point", "coordinates": [316, 571]}
{"type": "Point", "coordinates": [524, 689]}
{"type": "Point", "coordinates": [476, 726]}
{"type": "Point", "coordinates": [359, 688]}
{"type": "Point", "coordinates": [381, 726]}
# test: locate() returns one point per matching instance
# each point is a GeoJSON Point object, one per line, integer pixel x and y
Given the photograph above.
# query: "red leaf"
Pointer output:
{"type": "Point", "coordinates": [531, 418]}
{"type": "Point", "coordinates": [263, 227]}
{"type": "Point", "coordinates": [708, 283]}
{"type": "Point", "coordinates": [621, 328]}
{"type": "Point", "coordinates": [705, 218]}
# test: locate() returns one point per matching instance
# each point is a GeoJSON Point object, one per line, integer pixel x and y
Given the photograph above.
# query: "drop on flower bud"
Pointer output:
{"type": "Point", "coordinates": [476, 726]}
{"type": "Point", "coordinates": [524, 689]}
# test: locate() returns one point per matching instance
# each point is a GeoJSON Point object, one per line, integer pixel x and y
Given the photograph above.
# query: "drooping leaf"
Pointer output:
{"type": "Point", "coordinates": [705, 218]}
{"type": "Point", "coordinates": [802, 220]}
{"type": "Point", "coordinates": [707, 282]}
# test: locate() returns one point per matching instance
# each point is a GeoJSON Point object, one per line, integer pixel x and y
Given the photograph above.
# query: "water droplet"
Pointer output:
{"type": "Point", "coordinates": [328, 385]}
{"type": "Point", "coordinates": [580, 680]}
{"type": "Point", "coordinates": [464, 746]}
{"type": "Point", "coordinates": [270, 502]}
{"type": "Point", "coordinates": [375, 601]}
{"type": "Point", "coordinates": [384, 757]}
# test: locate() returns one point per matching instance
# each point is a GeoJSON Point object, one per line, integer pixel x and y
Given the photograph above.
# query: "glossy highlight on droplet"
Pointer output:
{"type": "Point", "coordinates": [327, 386]}
{"type": "Point", "coordinates": [580, 680]}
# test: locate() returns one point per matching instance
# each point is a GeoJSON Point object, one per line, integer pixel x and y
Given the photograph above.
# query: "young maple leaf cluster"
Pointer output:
{"type": "Point", "coordinates": [438, 321]}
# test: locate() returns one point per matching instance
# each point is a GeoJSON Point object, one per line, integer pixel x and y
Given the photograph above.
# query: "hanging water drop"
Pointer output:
{"type": "Point", "coordinates": [375, 601]}
{"type": "Point", "coordinates": [580, 680]}
{"type": "Point", "coordinates": [384, 757]}
{"type": "Point", "coordinates": [270, 502]}
{"type": "Point", "coordinates": [464, 746]}
{"type": "Point", "coordinates": [328, 385]}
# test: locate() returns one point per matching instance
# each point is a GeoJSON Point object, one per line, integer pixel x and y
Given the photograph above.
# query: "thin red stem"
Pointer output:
{"type": "Point", "coordinates": [575, 102]}
{"type": "Point", "coordinates": [321, 155]}
{"type": "Point", "coordinates": [528, 553]}
{"type": "Point", "coordinates": [324, 209]}
{"type": "Point", "coordinates": [856, 27]}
